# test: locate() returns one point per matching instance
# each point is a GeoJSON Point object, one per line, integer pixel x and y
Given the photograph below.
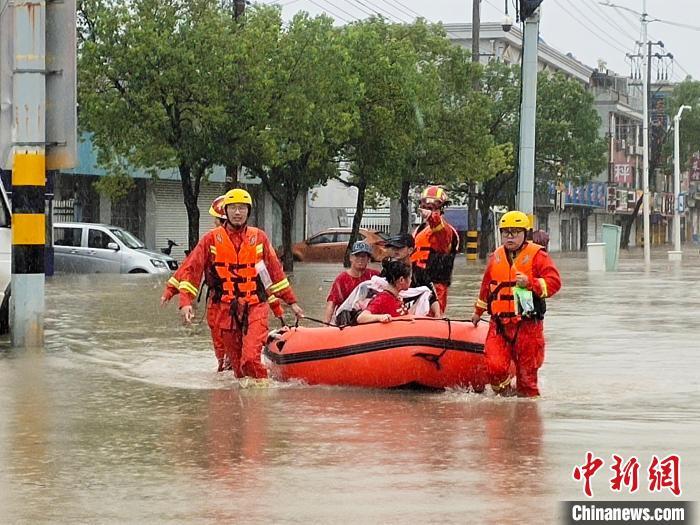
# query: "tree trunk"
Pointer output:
{"type": "Point", "coordinates": [190, 193]}
{"type": "Point", "coordinates": [627, 224]}
{"type": "Point", "coordinates": [232, 176]}
{"type": "Point", "coordinates": [356, 220]}
{"type": "Point", "coordinates": [403, 200]}
{"type": "Point", "coordinates": [287, 209]}
{"type": "Point", "coordinates": [487, 243]}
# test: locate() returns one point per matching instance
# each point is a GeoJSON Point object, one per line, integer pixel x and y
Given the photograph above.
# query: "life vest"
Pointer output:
{"type": "Point", "coordinates": [437, 265]}
{"type": "Point", "coordinates": [501, 302]}
{"type": "Point", "coordinates": [236, 269]}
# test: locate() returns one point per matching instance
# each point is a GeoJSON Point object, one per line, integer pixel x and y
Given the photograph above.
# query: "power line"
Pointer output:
{"type": "Point", "coordinates": [585, 16]}
{"type": "Point", "coordinates": [590, 30]}
{"type": "Point", "coordinates": [393, 7]}
{"type": "Point", "coordinates": [604, 15]}
{"type": "Point", "coordinates": [402, 5]}
{"type": "Point", "coordinates": [677, 24]}
{"type": "Point", "coordinates": [326, 10]}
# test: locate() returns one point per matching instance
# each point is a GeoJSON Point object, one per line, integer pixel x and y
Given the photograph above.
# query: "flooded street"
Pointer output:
{"type": "Point", "coordinates": [123, 420]}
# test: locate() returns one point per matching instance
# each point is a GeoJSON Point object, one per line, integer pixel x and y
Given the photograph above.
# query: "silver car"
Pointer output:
{"type": "Point", "coordinates": [81, 247]}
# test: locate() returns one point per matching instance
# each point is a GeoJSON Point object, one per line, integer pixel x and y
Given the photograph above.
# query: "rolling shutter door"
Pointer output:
{"type": "Point", "coordinates": [171, 214]}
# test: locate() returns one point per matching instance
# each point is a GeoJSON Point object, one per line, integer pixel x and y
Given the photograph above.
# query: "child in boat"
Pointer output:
{"type": "Point", "coordinates": [388, 304]}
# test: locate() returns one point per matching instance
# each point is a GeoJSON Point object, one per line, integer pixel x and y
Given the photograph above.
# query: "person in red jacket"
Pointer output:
{"type": "Point", "coordinates": [388, 304]}
{"type": "Point", "coordinates": [519, 276]}
{"type": "Point", "coordinates": [345, 283]}
{"type": "Point", "coordinates": [437, 243]}
{"type": "Point", "coordinates": [246, 277]}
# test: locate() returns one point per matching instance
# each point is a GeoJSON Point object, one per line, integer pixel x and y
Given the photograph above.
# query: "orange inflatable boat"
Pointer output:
{"type": "Point", "coordinates": [424, 352]}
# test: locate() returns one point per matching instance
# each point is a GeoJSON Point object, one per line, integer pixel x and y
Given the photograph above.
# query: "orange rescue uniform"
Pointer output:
{"type": "Point", "coordinates": [433, 259]}
{"type": "Point", "coordinates": [512, 337]}
{"type": "Point", "coordinates": [246, 277]}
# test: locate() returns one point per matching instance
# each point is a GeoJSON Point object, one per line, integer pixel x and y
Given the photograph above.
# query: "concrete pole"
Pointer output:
{"type": "Point", "coordinates": [677, 253]}
{"type": "Point", "coordinates": [528, 111]}
{"type": "Point", "coordinates": [28, 173]}
{"type": "Point", "coordinates": [472, 232]}
{"type": "Point", "coordinates": [645, 137]}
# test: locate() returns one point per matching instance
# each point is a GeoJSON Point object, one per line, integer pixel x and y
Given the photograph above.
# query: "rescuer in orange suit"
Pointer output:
{"type": "Point", "coordinates": [246, 277]}
{"type": "Point", "coordinates": [172, 288]}
{"type": "Point", "coordinates": [436, 244]}
{"type": "Point", "coordinates": [516, 329]}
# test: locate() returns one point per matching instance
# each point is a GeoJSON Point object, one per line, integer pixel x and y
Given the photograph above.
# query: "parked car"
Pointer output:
{"type": "Point", "coordinates": [330, 244]}
{"type": "Point", "coordinates": [81, 247]}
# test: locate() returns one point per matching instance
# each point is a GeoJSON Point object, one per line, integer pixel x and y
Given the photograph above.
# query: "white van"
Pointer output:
{"type": "Point", "coordinates": [5, 259]}
{"type": "Point", "coordinates": [82, 247]}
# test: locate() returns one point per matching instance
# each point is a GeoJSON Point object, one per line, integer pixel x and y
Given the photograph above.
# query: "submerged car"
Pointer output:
{"type": "Point", "coordinates": [329, 245]}
{"type": "Point", "coordinates": [81, 247]}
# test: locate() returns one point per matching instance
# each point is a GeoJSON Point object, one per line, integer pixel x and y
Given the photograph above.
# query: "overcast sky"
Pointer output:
{"type": "Point", "coordinates": [584, 28]}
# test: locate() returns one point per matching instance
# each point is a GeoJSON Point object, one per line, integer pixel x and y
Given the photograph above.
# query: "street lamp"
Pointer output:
{"type": "Point", "coordinates": [677, 254]}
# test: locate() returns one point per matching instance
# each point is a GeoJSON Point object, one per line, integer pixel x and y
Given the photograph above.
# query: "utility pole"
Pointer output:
{"type": "Point", "coordinates": [677, 253]}
{"type": "Point", "coordinates": [472, 232]}
{"type": "Point", "coordinates": [646, 81]}
{"type": "Point", "coordinates": [28, 174]}
{"type": "Point", "coordinates": [528, 110]}
{"type": "Point", "coordinates": [37, 84]}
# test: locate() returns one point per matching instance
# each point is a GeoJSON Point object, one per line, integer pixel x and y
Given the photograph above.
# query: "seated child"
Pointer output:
{"type": "Point", "coordinates": [388, 304]}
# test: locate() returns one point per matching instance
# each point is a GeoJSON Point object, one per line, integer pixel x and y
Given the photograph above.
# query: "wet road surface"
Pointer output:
{"type": "Point", "coordinates": [122, 419]}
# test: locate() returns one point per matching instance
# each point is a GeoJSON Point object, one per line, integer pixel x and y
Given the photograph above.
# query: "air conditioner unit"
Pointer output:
{"type": "Point", "coordinates": [639, 150]}
{"type": "Point", "coordinates": [630, 150]}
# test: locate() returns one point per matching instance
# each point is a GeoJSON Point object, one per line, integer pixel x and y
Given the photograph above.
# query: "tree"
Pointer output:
{"type": "Point", "coordinates": [567, 142]}
{"type": "Point", "coordinates": [310, 113]}
{"type": "Point", "coordinates": [449, 141]}
{"type": "Point", "coordinates": [147, 86]}
{"type": "Point", "coordinates": [386, 67]}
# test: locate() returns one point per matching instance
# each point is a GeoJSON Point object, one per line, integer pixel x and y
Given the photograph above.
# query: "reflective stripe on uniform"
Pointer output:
{"type": "Point", "coordinates": [281, 285]}
{"type": "Point", "coordinates": [188, 287]}
{"type": "Point", "coordinates": [543, 285]}
{"type": "Point", "coordinates": [212, 250]}
{"type": "Point", "coordinates": [259, 249]}
{"type": "Point", "coordinates": [174, 282]}
{"type": "Point", "coordinates": [438, 228]}
{"type": "Point", "coordinates": [481, 304]}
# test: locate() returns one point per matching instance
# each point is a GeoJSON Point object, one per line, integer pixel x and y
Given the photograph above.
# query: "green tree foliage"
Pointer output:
{"type": "Point", "coordinates": [310, 110]}
{"type": "Point", "coordinates": [567, 143]}
{"type": "Point", "coordinates": [147, 85]}
{"type": "Point", "coordinates": [686, 93]}
{"type": "Point", "coordinates": [448, 136]}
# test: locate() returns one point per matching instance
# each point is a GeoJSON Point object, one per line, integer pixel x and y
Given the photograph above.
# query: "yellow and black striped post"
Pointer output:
{"type": "Point", "coordinates": [472, 245]}
{"type": "Point", "coordinates": [28, 241]}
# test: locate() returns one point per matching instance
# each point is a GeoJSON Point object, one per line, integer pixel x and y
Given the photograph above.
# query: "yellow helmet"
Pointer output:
{"type": "Point", "coordinates": [514, 219]}
{"type": "Point", "coordinates": [237, 196]}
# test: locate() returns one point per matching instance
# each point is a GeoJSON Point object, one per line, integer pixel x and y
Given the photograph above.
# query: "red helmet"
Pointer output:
{"type": "Point", "coordinates": [217, 208]}
{"type": "Point", "coordinates": [433, 195]}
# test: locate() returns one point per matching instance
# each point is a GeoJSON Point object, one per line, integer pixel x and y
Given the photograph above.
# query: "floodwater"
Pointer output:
{"type": "Point", "coordinates": [122, 419]}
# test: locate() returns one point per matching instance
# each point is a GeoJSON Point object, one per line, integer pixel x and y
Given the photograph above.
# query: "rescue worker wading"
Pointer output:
{"type": "Point", "coordinates": [247, 276]}
{"type": "Point", "coordinates": [515, 334]}
{"type": "Point", "coordinates": [436, 244]}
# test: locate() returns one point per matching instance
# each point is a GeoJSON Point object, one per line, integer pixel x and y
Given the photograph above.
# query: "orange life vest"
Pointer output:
{"type": "Point", "coordinates": [501, 302]}
{"type": "Point", "coordinates": [236, 268]}
{"type": "Point", "coordinates": [438, 265]}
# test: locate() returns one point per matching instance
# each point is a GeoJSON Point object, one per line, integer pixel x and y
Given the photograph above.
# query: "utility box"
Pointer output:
{"type": "Point", "coordinates": [612, 234]}
{"type": "Point", "coordinates": [596, 256]}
